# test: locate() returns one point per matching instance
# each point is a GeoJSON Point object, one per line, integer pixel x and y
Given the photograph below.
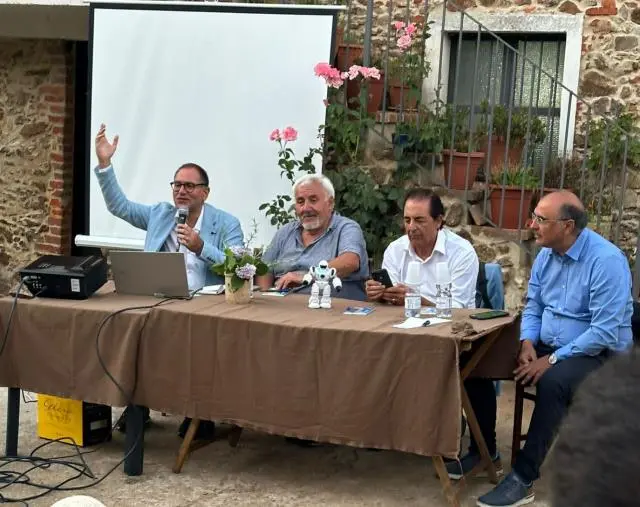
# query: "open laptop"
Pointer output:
{"type": "Point", "coordinates": [161, 274]}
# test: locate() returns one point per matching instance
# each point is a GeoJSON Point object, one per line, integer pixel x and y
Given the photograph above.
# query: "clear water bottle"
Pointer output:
{"type": "Point", "coordinates": [412, 299]}
{"type": "Point", "coordinates": [443, 288]}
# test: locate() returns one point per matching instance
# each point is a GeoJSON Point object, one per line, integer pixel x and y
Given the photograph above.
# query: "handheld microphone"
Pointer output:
{"type": "Point", "coordinates": [181, 218]}
{"type": "Point", "coordinates": [181, 215]}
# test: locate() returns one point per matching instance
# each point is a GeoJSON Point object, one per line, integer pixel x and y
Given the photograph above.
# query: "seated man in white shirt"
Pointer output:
{"type": "Point", "coordinates": [427, 242]}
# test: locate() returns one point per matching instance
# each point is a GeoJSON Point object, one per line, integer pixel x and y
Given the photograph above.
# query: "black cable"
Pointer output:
{"type": "Point", "coordinates": [80, 468]}
{"type": "Point", "coordinates": [13, 309]}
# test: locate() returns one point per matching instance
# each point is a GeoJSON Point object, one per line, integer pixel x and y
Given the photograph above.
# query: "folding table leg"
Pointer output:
{"type": "Point", "coordinates": [185, 448]}
{"type": "Point", "coordinates": [447, 487]}
{"type": "Point", "coordinates": [477, 434]}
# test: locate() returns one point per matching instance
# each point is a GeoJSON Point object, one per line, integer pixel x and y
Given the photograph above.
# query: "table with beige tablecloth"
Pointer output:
{"type": "Point", "coordinates": [273, 365]}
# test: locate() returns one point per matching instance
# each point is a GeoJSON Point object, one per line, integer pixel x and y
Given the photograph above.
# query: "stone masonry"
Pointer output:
{"type": "Point", "coordinates": [609, 79]}
{"type": "Point", "coordinates": [36, 134]}
{"type": "Point", "coordinates": [610, 68]}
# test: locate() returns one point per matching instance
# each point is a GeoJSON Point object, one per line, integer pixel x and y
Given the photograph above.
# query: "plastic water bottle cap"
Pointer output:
{"type": "Point", "coordinates": [413, 273]}
{"type": "Point", "coordinates": [443, 275]}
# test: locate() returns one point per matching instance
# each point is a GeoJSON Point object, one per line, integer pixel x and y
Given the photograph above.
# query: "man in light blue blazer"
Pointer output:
{"type": "Point", "coordinates": [201, 239]}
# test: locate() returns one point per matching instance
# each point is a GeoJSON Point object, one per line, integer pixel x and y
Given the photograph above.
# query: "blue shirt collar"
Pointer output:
{"type": "Point", "coordinates": [578, 246]}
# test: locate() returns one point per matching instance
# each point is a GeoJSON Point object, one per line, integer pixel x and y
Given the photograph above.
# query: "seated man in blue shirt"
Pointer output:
{"type": "Point", "coordinates": [578, 313]}
{"type": "Point", "coordinates": [318, 234]}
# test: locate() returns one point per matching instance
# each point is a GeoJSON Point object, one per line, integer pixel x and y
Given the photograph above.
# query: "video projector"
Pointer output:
{"type": "Point", "coordinates": [65, 277]}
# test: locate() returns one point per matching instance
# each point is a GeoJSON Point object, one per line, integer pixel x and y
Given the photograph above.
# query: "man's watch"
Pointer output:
{"type": "Point", "coordinates": [553, 359]}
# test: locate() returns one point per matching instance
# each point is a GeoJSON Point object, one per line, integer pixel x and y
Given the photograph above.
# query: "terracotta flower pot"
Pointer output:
{"type": "Point", "coordinates": [498, 149]}
{"type": "Point", "coordinates": [458, 162]}
{"type": "Point", "coordinates": [344, 60]}
{"type": "Point", "coordinates": [376, 90]}
{"type": "Point", "coordinates": [514, 207]}
{"type": "Point", "coordinates": [242, 296]}
{"type": "Point", "coordinates": [401, 94]}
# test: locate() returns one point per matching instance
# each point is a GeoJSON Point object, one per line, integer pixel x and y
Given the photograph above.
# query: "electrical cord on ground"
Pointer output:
{"type": "Point", "coordinates": [82, 469]}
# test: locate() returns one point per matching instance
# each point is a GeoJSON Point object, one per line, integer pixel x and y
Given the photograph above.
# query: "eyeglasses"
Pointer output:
{"type": "Point", "coordinates": [537, 219]}
{"type": "Point", "coordinates": [188, 186]}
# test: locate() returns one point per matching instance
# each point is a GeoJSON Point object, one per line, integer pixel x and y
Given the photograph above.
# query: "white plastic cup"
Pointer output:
{"type": "Point", "coordinates": [443, 275]}
{"type": "Point", "coordinates": [413, 273]}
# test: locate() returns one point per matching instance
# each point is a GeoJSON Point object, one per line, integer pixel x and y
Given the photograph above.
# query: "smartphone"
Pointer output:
{"type": "Point", "coordinates": [490, 314]}
{"type": "Point", "coordinates": [382, 276]}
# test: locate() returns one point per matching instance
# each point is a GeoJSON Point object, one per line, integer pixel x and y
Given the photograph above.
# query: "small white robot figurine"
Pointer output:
{"type": "Point", "coordinates": [322, 277]}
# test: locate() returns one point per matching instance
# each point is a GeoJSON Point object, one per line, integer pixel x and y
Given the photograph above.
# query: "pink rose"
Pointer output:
{"type": "Point", "coordinates": [331, 75]}
{"type": "Point", "coordinates": [289, 134]}
{"type": "Point", "coordinates": [370, 72]}
{"type": "Point", "coordinates": [404, 42]}
{"type": "Point", "coordinates": [275, 135]}
{"type": "Point", "coordinates": [398, 25]}
{"type": "Point", "coordinates": [411, 29]}
{"type": "Point", "coordinates": [322, 69]}
{"type": "Point", "coordinates": [354, 70]}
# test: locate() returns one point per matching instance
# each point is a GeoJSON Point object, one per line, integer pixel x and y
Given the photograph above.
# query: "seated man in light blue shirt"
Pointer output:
{"type": "Point", "coordinates": [201, 239]}
{"type": "Point", "coordinates": [578, 313]}
{"type": "Point", "coordinates": [318, 234]}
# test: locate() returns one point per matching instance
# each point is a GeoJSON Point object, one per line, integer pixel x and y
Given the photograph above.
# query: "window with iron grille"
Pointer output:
{"type": "Point", "coordinates": [512, 79]}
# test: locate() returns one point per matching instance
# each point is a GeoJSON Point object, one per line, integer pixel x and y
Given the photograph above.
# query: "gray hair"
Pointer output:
{"type": "Point", "coordinates": [312, 178]}
{"type": "Point", "coordinates": [578, 215]}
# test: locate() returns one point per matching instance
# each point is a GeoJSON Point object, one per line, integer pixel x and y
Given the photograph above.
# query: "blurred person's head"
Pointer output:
{"type": "Point", "coordinates": [596, 458]}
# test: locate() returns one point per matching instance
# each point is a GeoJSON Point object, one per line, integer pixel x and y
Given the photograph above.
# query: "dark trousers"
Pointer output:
{"type": "Point", "coordinates": [554, 392]}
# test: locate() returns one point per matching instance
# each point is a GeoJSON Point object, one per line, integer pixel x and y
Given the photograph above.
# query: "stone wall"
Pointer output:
{"type": "Point", "coordinates": [494, 245]}
{"type": "Point", "coordinates": [609, 78]}
{"type": "Point", "coordinates": [610, 68]}
{"type": "Point", "coordinates": [36, 134]}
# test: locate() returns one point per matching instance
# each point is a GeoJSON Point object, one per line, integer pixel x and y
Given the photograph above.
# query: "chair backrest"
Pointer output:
{"type": "Point", "coordinates": [635, 322]}
{"type": "Point", "coordinates": [490, 286]}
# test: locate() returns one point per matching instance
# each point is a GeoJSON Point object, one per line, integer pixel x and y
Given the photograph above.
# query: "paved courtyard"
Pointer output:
{"type": "Point", "coordinates": [263, 470]}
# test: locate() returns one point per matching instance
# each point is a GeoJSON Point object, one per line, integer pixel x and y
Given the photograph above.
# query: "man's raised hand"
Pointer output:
{"type": "Point", "coordinates": [105, 149]}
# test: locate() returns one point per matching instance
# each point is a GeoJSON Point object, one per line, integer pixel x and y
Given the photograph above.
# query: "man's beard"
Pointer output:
{"type": "Point", "coordinates": [310, 225]}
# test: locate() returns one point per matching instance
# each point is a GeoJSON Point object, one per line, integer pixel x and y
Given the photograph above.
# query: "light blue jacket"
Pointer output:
{"type": "Point", "coordinates": [219, 228]}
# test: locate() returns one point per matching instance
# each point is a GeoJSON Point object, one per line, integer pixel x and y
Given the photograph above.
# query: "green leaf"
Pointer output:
{"type": "Point", "coordinates": [218, 269]}
{"type": "Point", "coordinates": [261, 268]}
{"type": "Point", "coordinates": [236, 282]}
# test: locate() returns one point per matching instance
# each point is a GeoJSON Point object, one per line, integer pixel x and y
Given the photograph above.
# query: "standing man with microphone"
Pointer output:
{"type": "Point", "coordinates": [189, 225]}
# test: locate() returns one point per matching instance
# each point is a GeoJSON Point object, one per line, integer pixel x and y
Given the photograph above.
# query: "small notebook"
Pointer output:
{"type": "Point", "coordinates": [358, 310]}
{"type": "Point", "coordinates": [211, 290]}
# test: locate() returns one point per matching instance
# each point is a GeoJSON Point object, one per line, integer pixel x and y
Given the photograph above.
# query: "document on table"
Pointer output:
{"type": "Point", "coordinates": [413, 322]}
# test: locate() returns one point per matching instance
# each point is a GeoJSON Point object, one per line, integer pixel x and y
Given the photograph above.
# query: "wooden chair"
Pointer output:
{"type": "Point", "coordinates": [518, 437]}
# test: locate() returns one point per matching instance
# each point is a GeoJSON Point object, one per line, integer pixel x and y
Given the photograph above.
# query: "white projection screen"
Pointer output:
{"type": "Point", "coordinates": [203, 83]}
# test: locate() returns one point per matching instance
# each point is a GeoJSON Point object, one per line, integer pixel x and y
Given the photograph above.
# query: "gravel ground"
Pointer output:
{"type": "Point", "coordinates": [263, 470]}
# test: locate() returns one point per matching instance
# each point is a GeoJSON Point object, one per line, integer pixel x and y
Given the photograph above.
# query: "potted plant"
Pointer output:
{"type": "Point", "coordinates": [350, 48]}
{"type": "Point", "coordinates": [375, 88]}
{"type": "Point", "coordinates": [518, 185]}
{"type": "Point", "coordinates": [239, 267]}
{"type": "Point", "coordinates": [516, 130]}
{"type": "Point", "coordinates": [462, 154]}
{"type": "Point", "coordinates": [419, 136]}
{"type": "Point", "coordinates": [408, 69]}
